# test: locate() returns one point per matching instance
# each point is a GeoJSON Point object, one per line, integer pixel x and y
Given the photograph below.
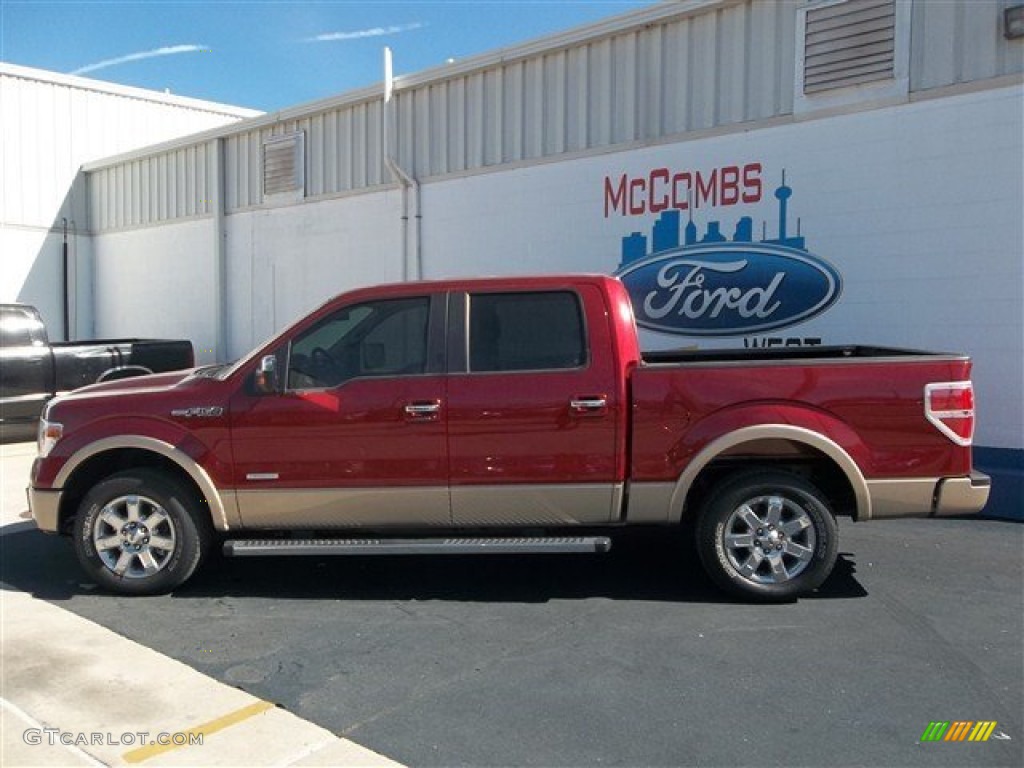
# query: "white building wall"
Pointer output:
{"type": "Point", "coordinates": [921, 217]}
{"type": "Point", "coordinates": [919, 214]}
{"type": "Point", "coordinates": [283, 262]}
{"type": "Point", "coordinates": [280, 263]}
{"type": "Point", "coordinates": [51, 125]}
{"type": "Point", "coordinates": [157, 283]}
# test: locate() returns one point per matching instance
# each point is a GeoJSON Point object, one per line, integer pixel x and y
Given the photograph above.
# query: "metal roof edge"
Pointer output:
{"type": "Point", "coordinates": [590, 32]}
{"type": "Point", "coordinates": [128, 91]}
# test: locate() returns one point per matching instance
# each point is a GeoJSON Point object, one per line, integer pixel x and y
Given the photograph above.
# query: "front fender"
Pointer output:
{"type": "Point", "coordinates": [224, 513]}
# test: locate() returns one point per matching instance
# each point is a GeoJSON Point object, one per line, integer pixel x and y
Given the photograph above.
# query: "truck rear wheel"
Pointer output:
{"type": "Point", "coordinates": [768, 536]}
{"type": "Point", "coordinates": [140, 532]}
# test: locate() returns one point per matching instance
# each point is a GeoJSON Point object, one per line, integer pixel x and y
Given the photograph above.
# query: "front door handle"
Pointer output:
{"type": "Point", "coordinates": [589, 404]}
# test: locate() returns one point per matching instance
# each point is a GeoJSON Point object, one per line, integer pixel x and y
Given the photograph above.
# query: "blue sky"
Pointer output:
{"type": "Point", "coordinates": [271, 55]}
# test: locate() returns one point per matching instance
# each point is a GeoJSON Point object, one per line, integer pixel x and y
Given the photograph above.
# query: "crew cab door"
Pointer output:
{"type": "Point", "coordinates": [357, 434]}
{"type": "Point", "coordinates": [532, 409]}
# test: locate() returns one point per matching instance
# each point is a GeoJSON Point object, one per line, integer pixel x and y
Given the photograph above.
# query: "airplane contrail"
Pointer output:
{"type": "Point", "coordinates": [169, 50]}
{"type": "Point", "coordinates": [358, 34]}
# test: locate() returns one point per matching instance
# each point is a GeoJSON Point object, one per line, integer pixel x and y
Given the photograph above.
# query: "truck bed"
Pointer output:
{"type": "Point", "coordinates": [78, 364]}
{"type": "Point", "coordinates": [783, 354]}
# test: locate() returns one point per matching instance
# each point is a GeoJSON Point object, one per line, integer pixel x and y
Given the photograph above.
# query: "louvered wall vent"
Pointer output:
{"type": "Point", "coordinates": [284, 163]}
{"type": "Point", "coordinates": [848, 43]}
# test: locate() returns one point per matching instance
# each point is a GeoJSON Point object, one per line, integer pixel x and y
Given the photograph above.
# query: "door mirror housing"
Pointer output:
{"type": "Point", "coordinates": [266, 380]}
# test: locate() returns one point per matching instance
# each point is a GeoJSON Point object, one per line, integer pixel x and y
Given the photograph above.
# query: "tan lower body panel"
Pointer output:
{"type": "Point", "coordinates": [490, 505]}
{"type": "Point", "coordinates": [962, 495]}
{"type": "Point", "coordinates": [345, 507]}
{"type": "Point", "coordinates": [541, 505]}
{"type": "Point", "coordinates": [650, 502]}
{"type": "Point", "coordinates": [921, 497]}
{"type": "Point", "coordinates": [912, 497]}
{"type": "Point", "coordinates": [45, 507]}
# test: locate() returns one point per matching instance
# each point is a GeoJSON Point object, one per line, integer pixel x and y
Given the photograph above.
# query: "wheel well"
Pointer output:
{"type": "Point", "coordinates": [97, 468]}
{"type": "Point", "coordinates": [789, 455]}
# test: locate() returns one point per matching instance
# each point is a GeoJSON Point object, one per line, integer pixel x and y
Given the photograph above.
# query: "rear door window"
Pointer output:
{"type": "Point", "coordinates": [526, 332]}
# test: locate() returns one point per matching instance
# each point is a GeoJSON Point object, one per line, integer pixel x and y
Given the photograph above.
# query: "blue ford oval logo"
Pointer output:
{"type": "Point", "coordinates": [729, 289]}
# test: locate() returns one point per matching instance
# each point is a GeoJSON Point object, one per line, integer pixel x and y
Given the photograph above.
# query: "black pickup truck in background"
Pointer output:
{"type": "Point", "coordinates": [32, 369]}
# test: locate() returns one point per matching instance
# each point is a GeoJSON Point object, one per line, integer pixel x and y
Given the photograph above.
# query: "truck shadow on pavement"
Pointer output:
{"type": "Point", "coordinates": [655, 565]}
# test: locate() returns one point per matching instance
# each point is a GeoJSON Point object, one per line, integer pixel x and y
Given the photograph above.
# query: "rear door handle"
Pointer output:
{"type": "Point", "coordinates": [423, 409]}
{"type": "Point", "coordinates": [588, 404]}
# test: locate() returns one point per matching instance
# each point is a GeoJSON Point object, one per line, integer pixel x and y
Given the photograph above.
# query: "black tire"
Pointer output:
{"type": "Point", "coordinates": [767, 535]}
{"type": "Point", "coordinates": [121, 521]}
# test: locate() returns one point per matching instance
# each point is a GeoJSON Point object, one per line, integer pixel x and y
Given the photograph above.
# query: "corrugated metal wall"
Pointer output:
{"type": "Point", "coordinates": [51, 127]}
{"type": "Point", "coordinates": [960, 42]}
{"type": "Point", "coordinates": [708, 66]}
{"type": "Point", "coordinates": [731, 65]}
{"type": "Point", "coordinates": [343, 153]}
{"type": "Point", "coordinates": [171, 185]}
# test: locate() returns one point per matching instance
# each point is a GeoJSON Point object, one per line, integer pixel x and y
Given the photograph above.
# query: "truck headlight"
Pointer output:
{"type": "Point", "coordinates": [49, 433]}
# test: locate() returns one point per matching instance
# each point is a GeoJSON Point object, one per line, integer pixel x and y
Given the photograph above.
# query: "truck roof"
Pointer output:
{"type": "Point", "coordinates": [495, 284]}
{"type": "Point", "coordinates": [538, 282]}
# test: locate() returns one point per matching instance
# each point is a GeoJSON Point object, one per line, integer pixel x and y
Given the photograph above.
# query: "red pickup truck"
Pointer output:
{"type": "Point", "coordinates": [497, 416]}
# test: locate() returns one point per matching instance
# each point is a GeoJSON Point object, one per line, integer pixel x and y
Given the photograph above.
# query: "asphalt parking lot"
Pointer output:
{"type": "Point", "coordinates": [630, 658]}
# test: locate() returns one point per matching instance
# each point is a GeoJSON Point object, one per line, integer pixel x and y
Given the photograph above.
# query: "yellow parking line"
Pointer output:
{"type": "Point", "coordinates": [232, 718]}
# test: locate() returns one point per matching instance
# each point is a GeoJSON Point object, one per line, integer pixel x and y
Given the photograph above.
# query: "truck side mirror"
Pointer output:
{"type": "Point", "coordinates": [266, 380]}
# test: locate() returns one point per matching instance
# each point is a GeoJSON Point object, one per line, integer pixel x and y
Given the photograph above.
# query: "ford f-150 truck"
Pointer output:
{"type": "Point", "coordinates": [32, 369]}
{"type": "Point", "coordinates": [501, 416]}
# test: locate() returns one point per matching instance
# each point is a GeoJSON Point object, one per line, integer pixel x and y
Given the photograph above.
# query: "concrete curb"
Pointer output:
{"type": "Point", "coordinates": [74, 693]}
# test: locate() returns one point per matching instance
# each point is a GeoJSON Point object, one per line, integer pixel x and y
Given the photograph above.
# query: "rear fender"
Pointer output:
{"type": "Point", "coordinates": [807, 428]}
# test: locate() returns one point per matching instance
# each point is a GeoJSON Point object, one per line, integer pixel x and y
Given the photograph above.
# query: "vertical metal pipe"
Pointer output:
{"type": "Point", "coordinates": [65, 282]}
{"type": "Point", "coordinates": [220, 289]}
{"type": "Point", "coordinates": [411, 269]}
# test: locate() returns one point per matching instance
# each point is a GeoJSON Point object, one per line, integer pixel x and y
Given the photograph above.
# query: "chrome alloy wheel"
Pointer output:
{"type": "Point", "coordinates": [134, 536]}
{"type": "Point", "coordinates": [769, 539]}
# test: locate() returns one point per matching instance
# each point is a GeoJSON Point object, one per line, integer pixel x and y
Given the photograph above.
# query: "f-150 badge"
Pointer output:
{"type": "Point", "coordinates": [199, 412]}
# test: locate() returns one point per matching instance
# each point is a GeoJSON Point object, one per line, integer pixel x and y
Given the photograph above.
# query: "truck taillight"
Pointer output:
{"type": "Point", "coordinates": [950, 407]}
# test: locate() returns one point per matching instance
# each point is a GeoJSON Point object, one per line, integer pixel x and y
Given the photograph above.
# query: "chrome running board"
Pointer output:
{"type": "Point", "coordinates": [449, 546]}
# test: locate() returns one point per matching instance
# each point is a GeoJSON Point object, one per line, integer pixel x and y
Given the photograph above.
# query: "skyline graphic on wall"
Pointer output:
{"type": "Point", "coordinates": [719, 286]}
{"type": "Point", "coordinates": [665, 233]}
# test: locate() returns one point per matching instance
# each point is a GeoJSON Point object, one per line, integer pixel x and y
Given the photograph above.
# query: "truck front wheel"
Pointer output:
{"type": "Point", "coordinates": [768, 536]}
{"type": "Point", "coordinates": [139, 532]}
